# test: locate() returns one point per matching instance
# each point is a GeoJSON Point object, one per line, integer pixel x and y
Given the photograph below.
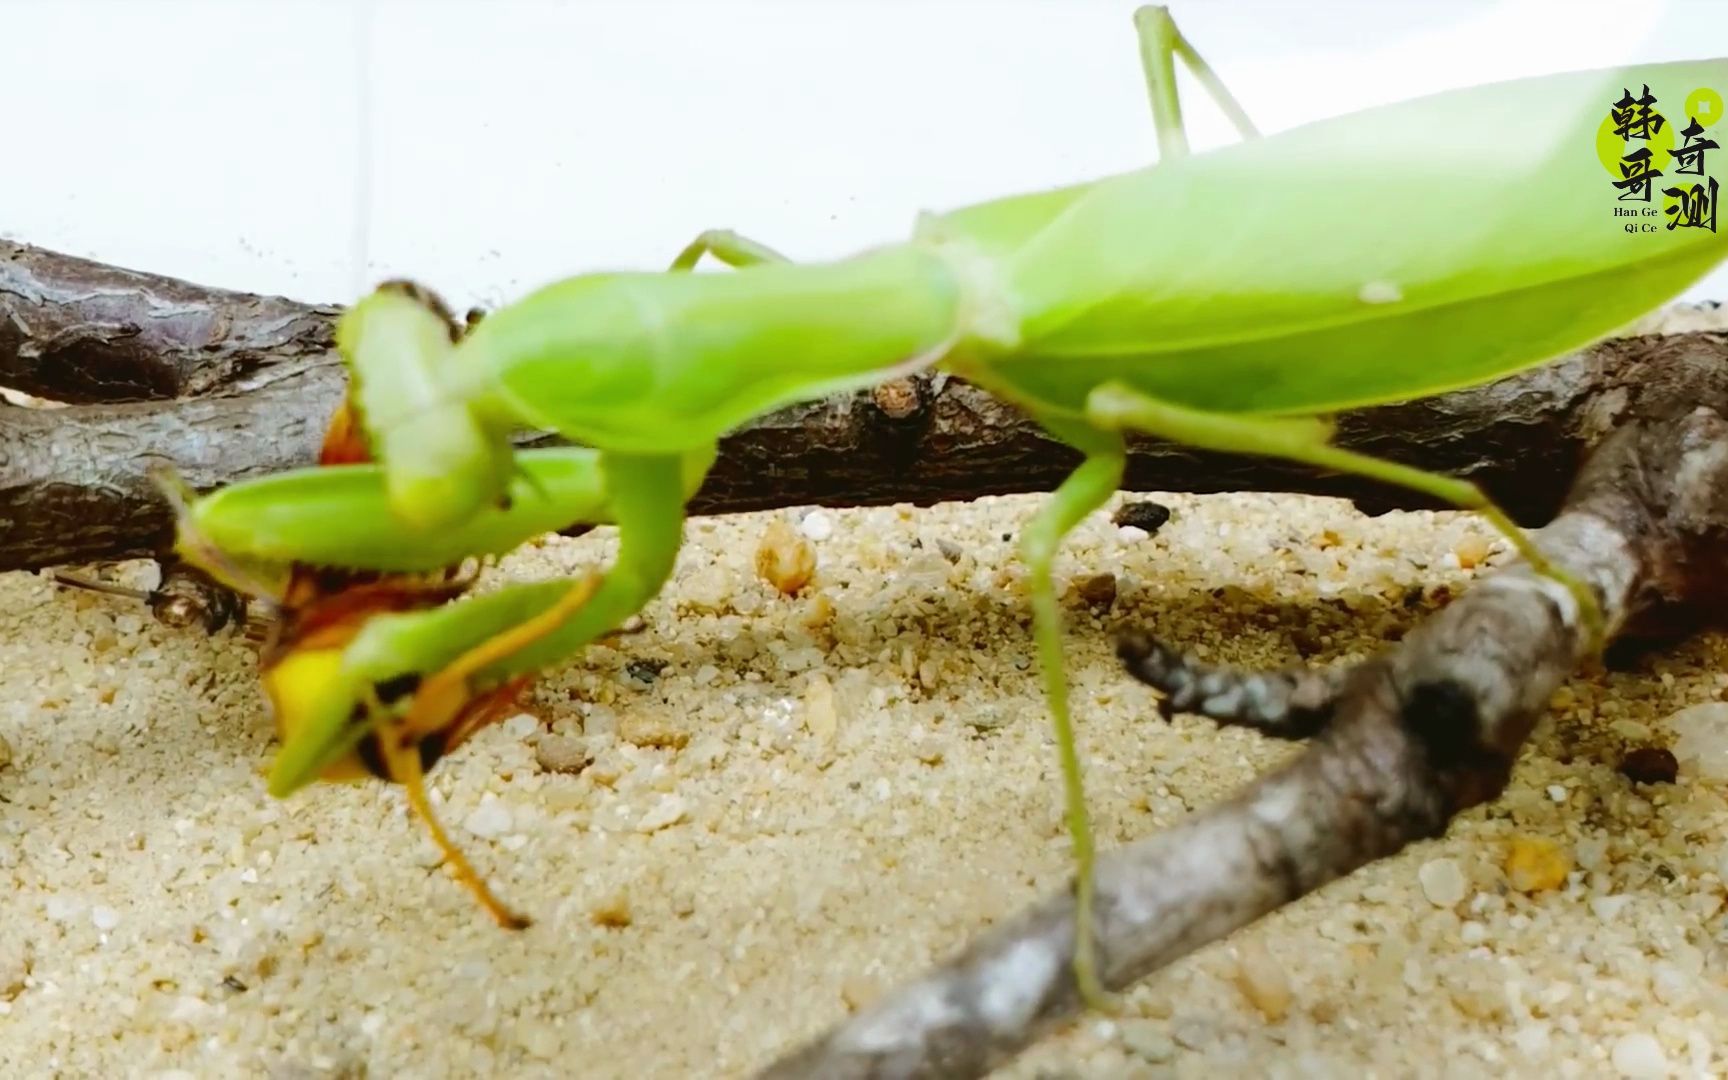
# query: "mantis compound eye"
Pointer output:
{"type": "Point", "coordinates": [431, 301]}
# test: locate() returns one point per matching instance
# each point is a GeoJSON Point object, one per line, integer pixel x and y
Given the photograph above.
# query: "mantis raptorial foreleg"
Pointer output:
{"type": "Point", "coordinates": [646, 494]}
{"type": "Point", "coordinates": [1087, 488]}
{"type": "Point", "coordinates": [1117, 407]}
{"type": "Point", "coordinates": [730, 248]}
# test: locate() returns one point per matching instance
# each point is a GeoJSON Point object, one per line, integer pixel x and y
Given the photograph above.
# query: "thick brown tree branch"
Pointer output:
{"type": "Point", "coordinates": [1407, 741]}
{"type": "Point", "coordinates": [77, 331]}
{"type": "Point", "coordinates": [229, 385]}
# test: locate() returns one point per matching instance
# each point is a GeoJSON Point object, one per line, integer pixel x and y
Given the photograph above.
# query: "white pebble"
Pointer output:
{"type": "Point", "coordinates": [105, 918]}
{"type": "Point", "coordinates": [1532, 1040]}
{"type": "Point", "coordinates": [1702, 745]}
{"type": "Point", "coordinates": [1639, 1055]}
{"type": "Point", "coordinates": [1472, 933]}
{"type": "Point", "coordinates": [817, 526]}
{"type": "Point", "coordinates": [1631, 730]}
{"type": "Point", "coordinates": [61, 907]}
{"type": "Point", "coordinates": [1442, 882]}
{"type": "Point", "coordinates": [667, 812]}
{"type": "Point", "coordinates": [1132, 534]}
{"type": "Point", "coordinates": [521, 726]}
{"type": "Point", "coordinates": [1556, 792]}
{"type": "Point", "coordinates": [1380, 292]}
{"type": "Point", "coordinates": [491, 818]}
{"type": "Point", "coordinates": [1590, 852]}
{"type": "Point", "coordinates": [1608, 908]}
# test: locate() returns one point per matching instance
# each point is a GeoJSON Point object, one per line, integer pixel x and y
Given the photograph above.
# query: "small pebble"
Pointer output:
{"type": "Point", "coordinates": [1262, 981]}
{"type": "Point", "coordinates": [820, 718]}
{"type": "Point", "coordinates": [539, 1038]}
{"type": "Point", "coordinates": [1557, 793]}
{"type": "Point", "coordinates": [817, 525]}
{"type": "Point", "coordinates": [1650, 765]}
{"type": "Point", "coordinates": [1701, 739]}
{"type": "Point", "coordinates": [653, 729]}
{"type": "Point", "coordinates": [669, 811]}
{"type": "Point", "coordinates": [491, 818]}
{"type": "Point", "coordinates": [1532, 1040]}
{"type": "Point", "coordinates": [784, 559]}
{"type": "Point", "coordinates": [1608, 908]}
{"type": "Point", "coordinates": [1631, 730]}
{"type": "Point", "coordinates": [1534, 864]}
{"type": "Point", "coordinates": [857, 991]}
{"type": "Point", "coordinates": [1098, 590]}
{"type": "Point", "coordinates": [1146, 516]}
{"type": "Point", "coordinates": [1472, 551]}
{"type": "Point", "coordinates": [1639, 1056]}
{"type": "Point", "coordinates": [1146, 1039]}
{"type": "Point", "coordinates": [61, 908]}
{"type": "Point", "coordinates": [562, 754]}
{"type": "Point", "coordinates": [614, 912]}
{"type": "Point", "coordinates": [1443, 882]}
{"type": "Point", "coordinates": [105, 918]}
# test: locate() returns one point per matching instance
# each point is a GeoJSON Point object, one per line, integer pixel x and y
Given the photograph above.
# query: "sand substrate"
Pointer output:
{"type": "Point", "coordinates": [761, 812]}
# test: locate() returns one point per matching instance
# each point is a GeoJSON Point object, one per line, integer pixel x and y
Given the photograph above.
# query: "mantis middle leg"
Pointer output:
{"type": "Point", "coordinates": [1087, 488]}
{"type": "Point", "coordinates": [1092, 484]}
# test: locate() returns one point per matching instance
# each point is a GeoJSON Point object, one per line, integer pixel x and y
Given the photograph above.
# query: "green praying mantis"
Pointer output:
{"type": "Point", "coordinates": [1229, 300]}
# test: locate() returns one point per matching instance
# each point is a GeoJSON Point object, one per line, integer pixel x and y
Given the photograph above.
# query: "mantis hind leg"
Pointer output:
{"type": "Point", "coordinates": [1085, 490]}
{"type": "Point", "coordinates": [729, 247]}
{"type": "Point", "coordinates": [1160, 44]}
{"type": "Point", "coordinates": [1117, 407]}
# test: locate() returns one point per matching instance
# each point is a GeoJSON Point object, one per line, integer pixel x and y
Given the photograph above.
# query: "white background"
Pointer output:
{"type": "Point", "coordinates": [498, 145]}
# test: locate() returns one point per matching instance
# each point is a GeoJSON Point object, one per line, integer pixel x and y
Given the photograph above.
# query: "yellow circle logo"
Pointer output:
{"type": "Point", "coordinates": [1703, 105]}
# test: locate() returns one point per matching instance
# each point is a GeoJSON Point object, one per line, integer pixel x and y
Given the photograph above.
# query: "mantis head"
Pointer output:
{"type": "Point", "coordinates": [441, 460]}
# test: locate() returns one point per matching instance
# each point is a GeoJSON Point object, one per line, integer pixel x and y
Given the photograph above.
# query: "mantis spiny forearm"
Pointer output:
{"type": "Point", "coordinates": [1228, 300]}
